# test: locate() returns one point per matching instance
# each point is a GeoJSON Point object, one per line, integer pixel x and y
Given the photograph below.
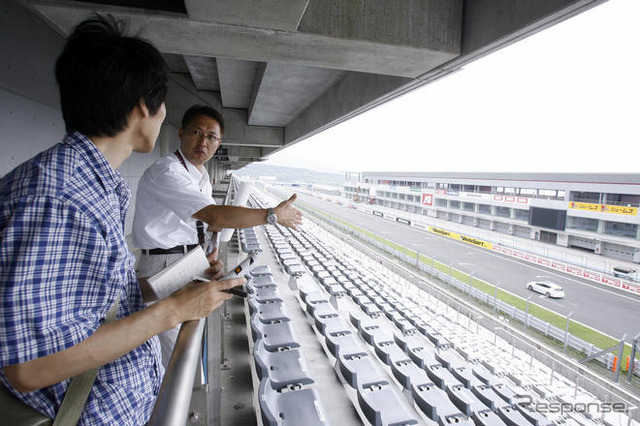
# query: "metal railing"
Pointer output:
{"type": "Point", "coordinates": [181, 399]}
{"type": "Point", "coordinates": [172, 405]}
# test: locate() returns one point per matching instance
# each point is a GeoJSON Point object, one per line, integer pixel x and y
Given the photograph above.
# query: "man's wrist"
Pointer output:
{"type": "Point", "coordinates": [272, 218]}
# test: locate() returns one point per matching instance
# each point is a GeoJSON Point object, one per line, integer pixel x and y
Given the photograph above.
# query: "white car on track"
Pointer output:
{"type": "Point", "coordinates": [547, 288]}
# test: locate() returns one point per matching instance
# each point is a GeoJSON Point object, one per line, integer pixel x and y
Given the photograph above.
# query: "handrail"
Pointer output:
{"type": "Point", "coordinates": [172, 404]}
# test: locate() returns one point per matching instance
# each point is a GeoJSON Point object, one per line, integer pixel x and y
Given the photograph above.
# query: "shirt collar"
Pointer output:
{"type": "Point", "coordinates": [192, 169]}
{"type": "Point", "coordinates": [109, 177]}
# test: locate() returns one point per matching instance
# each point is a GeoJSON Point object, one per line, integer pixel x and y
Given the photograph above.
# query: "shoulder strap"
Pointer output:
{"type": "Point", "coordinates": [80, 386]}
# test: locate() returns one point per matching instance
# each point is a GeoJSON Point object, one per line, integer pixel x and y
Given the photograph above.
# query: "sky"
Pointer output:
{"type": "Point", "coordinates": [566, 99]}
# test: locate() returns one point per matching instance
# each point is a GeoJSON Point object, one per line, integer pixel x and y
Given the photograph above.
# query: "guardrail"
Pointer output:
{"type": "Point", "coordinates": [172, 405]}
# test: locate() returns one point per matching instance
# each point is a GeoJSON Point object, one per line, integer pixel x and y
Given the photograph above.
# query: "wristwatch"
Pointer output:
{"type": "Point", "coordinates": [271, 216]}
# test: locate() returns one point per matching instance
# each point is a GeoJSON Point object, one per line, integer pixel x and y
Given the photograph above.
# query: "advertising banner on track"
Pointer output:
{"type": "Point", "coordinates": [463, 238]}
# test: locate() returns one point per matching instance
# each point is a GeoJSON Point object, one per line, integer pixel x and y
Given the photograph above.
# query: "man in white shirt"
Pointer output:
{"type": "Point", "coordinates": [175, 206]}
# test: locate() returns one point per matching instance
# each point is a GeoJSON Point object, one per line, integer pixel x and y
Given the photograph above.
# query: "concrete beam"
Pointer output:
{"type": "Point", "coordinates": [271, 14]}
{"type": "Point", "coordinates": [175, 34]}
{"type": "Point", "coordinates": [424, 24]}
{"type": "Point", "coordinates": [282, 91]}
{"type": "Point", "coordinates": [237, 131]}
{"type": "Point", "coordinates": [237, 80]}
{"type": "Point", "coordinates": [182, 95]}
{"type": "Point", "coordinates": [204, 72]}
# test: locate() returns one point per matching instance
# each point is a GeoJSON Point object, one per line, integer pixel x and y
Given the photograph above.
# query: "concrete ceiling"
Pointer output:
{"type": "Point", "coordinates": [283, 70]}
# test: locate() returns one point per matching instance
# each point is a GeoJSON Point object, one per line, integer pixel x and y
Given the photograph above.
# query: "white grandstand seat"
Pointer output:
{"type": "Point", "coordinates": [266, 294]}
{"type": "Point", "coordinates": [359, 370]}
{"type": "Point", "coordinates": [275, 335]}
{"type": "Point", "coordinates": [261, 270]}
{"type": "Point", "coordinates": [319, 307]}
{"type": "Point", "coordinates": [407, 372]}
{"type": "Point", "coordinates": [464, 373]}
{"type": "Point", "coordinates": [330, 323]}
{"type": "Point", "coordinates": [436, 405]}
{"type": "Point", "coordinates": [263, 281]}
{"type": "Point", "coordinates": [450, 358]}
{"type": "Point", "coordinates": [343, 343]}
{"type": "Point", "coordinates": [310, 296]}
{"type": "Point", "coordinates": [534, 417]}
{"type": "Point", "coordinates": [489, 397]}
{"type": "Point", "coordinates": [512, 417]}
{"type": "Point", "coordinates": [389, 352]}
{"type": "Point", "coordinates": [268, 312]}
{"type": "Point", "coordinates": [482, 373]}
{"type": "Point", "coordinates": [487, 418]}
{"type": "Point", "coordinates": [408, 341]}
{"type": "Point", "coordinates": [465, 400]}
{"type": "Point", "coordinates": [506, 393]}
{"type": "Point", "coordinates": [383, 406]}
{"type": "Point", "coordinates": [294, 268]}
{"type": "Point", "coordinates": [422, 355]}
{"type": "Point", "coordinates": [283, 368]}
{"type": "Point", "coordinates": [441, 376]}
{"type": "Point", "coordinates": [292, 408]}
{"type": "Point", "coordinates": [368, 332]}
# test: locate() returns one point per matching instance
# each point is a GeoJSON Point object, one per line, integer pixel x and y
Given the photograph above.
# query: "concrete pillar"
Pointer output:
{"type": "Point", "coordinates": [563, 239]}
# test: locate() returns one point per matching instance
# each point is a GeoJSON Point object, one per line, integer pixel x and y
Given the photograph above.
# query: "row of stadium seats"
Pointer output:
{"type": "Point", "coordinates": [438, 380]}
{"type": "Point", "coordinates": [285, 394]}
{"type": "Point", "coordinates": [410, 352]}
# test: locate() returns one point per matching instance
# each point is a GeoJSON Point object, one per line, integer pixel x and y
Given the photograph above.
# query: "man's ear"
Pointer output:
{"type": "Point", "coordinates": [144, 110]}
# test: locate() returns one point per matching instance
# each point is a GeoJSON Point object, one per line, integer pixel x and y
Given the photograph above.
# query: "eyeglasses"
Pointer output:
{"type": "Point", "coordinates": [209, 137]}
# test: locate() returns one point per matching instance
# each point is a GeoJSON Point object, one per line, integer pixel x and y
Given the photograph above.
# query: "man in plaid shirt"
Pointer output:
{"type": "Point", "coordinates": [63, 256]}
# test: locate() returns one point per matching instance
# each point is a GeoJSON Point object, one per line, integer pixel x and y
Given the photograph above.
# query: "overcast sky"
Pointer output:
{"type": "Point", "coordinates": [564, 100]}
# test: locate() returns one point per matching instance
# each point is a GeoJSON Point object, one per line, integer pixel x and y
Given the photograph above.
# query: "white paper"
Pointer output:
{"type": "Point", "coordinates": [179, 273]}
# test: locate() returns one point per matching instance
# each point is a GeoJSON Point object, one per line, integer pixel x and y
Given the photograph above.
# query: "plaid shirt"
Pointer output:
{"type": "Point", "coordinates": [63, 262]}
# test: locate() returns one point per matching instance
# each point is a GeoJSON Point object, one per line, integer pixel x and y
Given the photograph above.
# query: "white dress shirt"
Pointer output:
{"type": "Point", "coordinates": [168, 194]}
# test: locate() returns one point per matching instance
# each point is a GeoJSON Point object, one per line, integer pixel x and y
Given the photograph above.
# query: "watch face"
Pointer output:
{"type": "Point", "coordinates": [271, 217]}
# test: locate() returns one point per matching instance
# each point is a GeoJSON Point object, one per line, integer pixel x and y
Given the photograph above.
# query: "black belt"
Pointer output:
{"type": "Point", "coordinates": [173, 250]}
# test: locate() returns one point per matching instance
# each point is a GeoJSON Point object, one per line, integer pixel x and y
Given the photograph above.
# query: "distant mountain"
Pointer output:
{"type": "Point", "coordinates": [290, 174]}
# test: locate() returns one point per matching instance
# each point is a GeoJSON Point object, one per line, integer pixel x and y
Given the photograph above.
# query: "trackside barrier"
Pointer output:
{"type": "Point", "coordinates": [431, 266]}
{"type": "Point", "coordinates": [578, 265]}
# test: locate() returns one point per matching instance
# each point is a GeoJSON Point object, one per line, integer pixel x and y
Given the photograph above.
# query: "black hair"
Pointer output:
{"type": "Point", "coordinates": [197, 110]}
{"type": "Point", "coordinates": [102, 74]}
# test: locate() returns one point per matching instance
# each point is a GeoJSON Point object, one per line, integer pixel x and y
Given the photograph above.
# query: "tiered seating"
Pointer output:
{"type": "Point", "coordinates": [436, 378]}
{"type": "Point", "coordinates": [249, 242]}
{"type": "Point", "coordinates": [285, 395]}
{"type": "Point", "coordinates": [389, 349]}
{"type": "Point", "coordinates": [289, 261]}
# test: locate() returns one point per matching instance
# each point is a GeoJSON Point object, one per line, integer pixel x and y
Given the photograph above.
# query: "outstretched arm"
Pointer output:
{"type": "Point", "coordinates": [243, 217]}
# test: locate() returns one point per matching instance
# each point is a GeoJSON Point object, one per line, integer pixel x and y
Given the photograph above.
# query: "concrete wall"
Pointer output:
{"type": "Point", "coordinates": [30, 117]}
